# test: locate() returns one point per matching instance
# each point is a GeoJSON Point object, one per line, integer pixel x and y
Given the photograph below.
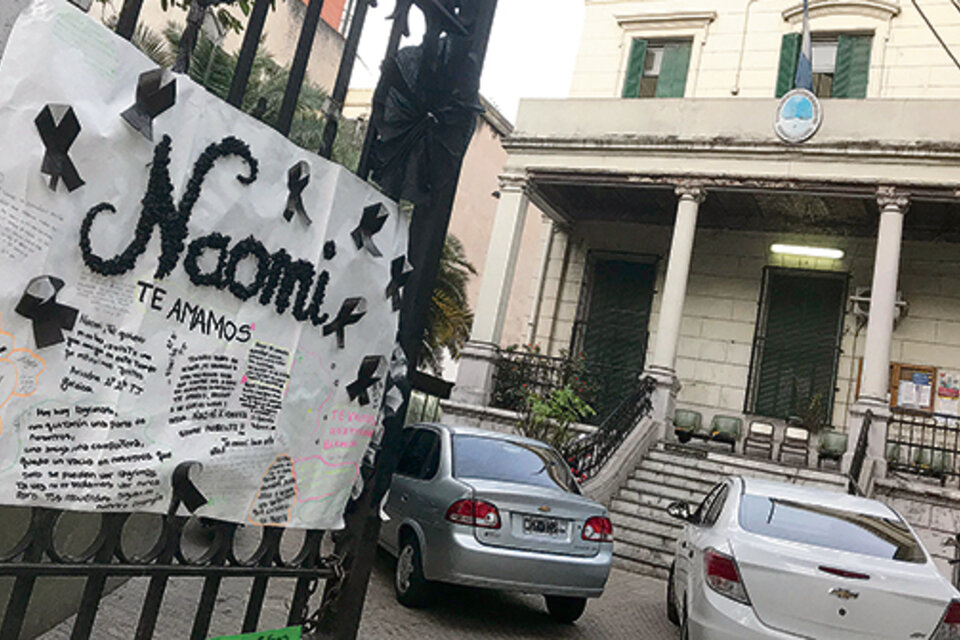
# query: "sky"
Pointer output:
{"type": "Point", "coordinates": [531, 53]}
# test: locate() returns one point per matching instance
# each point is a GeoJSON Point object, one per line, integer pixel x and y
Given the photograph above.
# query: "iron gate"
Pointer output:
{"type": "Point", "coordinates": [419, 129]}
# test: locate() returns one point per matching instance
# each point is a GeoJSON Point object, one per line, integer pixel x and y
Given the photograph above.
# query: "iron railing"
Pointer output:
{"type": "Point", "coordinates": [517, 373]}
{"type": "Point", "coordinates": [926, 444]}
{"type": "Point", "coordinates": [182, 546]}
{"type": "Point", "coordinates": [859, 455]}
{"type": "Point", "coordinates": [588, 454]}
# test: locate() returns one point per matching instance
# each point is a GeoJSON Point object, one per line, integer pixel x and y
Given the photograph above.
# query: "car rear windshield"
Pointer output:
{"type": "Point", "coordinates": [497, 459]}
{"type": "Point", "coordinates": [831, 528]}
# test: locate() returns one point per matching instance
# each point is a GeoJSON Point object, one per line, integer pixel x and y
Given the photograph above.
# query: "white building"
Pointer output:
{"type": "Point", "coordinates": [667, 186]}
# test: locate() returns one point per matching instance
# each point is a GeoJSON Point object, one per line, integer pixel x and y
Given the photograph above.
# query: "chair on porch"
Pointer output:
{"type": "Point", "coordinates": [796, 441]}
{"type": "Point", "coordinates": [726, 429]}
{"type": "Point", "coordinates": [759, 438]}
{"type": "Point", "coordinates": [687, 424]}
{"type": "Point", "coordinates": [833, 445]}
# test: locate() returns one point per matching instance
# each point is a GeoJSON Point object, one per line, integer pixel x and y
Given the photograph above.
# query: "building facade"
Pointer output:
{"type": "Point", "coordinates": [751, 276]}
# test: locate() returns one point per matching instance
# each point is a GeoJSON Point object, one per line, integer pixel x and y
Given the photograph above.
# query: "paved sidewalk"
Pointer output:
{"type": "Point", "coordinates": [630, 609]}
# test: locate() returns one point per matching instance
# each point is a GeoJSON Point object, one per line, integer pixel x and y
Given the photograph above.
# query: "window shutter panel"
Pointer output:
{"type": "Point", "coordinates": [638, 53]}
{"type": "Point", "coordinates": [789, 55]}
{"type": "Point", "coordinates": [853, 66]}
{"type": "Point", "coordinates": [673, 72]}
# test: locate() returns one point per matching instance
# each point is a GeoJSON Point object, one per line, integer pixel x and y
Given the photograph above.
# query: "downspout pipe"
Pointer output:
{"type": "Point", "coordinates": [743, 47]}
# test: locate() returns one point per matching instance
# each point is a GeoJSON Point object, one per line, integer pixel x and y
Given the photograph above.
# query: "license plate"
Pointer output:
{"type": "Point", "coordinates": [543, 526]}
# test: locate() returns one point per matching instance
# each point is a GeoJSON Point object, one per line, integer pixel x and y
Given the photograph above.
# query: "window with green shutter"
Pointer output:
{"type": "Point", "coordinates": [657, 69]}
{"type": "Point", "coordinates": [797, 342]}
{"type": "Point", "coordinates": [841, 64]}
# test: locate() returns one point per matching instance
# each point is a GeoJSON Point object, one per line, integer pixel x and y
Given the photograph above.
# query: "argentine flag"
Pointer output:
{"type": "Point", "coordinates": [804, 79]}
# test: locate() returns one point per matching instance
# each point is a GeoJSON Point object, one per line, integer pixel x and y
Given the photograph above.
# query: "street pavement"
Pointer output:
{"type": "Point", "coordinates": [632, 607]}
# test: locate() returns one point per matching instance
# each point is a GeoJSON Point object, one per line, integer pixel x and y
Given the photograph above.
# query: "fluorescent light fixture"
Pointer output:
{"type": "Point", "coordinates": [810, 252]}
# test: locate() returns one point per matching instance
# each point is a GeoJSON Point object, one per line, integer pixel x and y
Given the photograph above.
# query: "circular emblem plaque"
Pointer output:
{"type": "Point", "coordinates": [799, 116]}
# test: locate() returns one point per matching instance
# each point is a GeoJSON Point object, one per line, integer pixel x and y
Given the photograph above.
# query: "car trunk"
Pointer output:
{"type": "Point", "coordinates": [789, 591]}
{"type": "Point", "coordinates": [536, 518]}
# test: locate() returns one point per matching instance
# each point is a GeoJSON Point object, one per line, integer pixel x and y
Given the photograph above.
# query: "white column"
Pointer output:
{"type": "Point", "coordinates": [663, 362]}
{"type": "Point", "coordinates": [477, 358]}
{"type": "Point", "coordinates": [675, 284]}
{"type": "Point", "coordinates": [875, 379]}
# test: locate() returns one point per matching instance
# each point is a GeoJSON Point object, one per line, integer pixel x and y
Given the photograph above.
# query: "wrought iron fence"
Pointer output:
{"type": "Point", "coordinates": [519, 372]}
{"type": "Point", "coordinates": [926, 444]}
{"type": "Point", "coordinates": [859, 455]}
{"type": "Point", "coordinates": [587, 455]}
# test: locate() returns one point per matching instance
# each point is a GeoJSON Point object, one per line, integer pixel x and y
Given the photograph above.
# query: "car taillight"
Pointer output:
{"type": "Point", "coordinates": [598, 529]}
{"type": "Point", "coordinates": [723, 577]}
{"type": "Point", "coordinates": [949, 627]}
{"type": "Point", "coordinates": [475, 513]}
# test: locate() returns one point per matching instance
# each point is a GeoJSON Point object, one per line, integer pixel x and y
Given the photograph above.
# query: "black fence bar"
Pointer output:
{"type": "Point", "coordinates": [343, 77]}
{"type": "Point", "coordinates": [41, 526]}
{"type": "Point", "coordinates": [93, 589]}
{"type": "Point", "coordinates": [299, 67]}
{"type": "Point", "coordinates": [127, 22]}
{"type": "Point", "coordinates": [248, 51]}
{"type": "Point", "coordinates": [926, 444]}
{"type": "Point", "coordinates": [859, 455]}
{"type": "Point", "coordinates": [188, 40]}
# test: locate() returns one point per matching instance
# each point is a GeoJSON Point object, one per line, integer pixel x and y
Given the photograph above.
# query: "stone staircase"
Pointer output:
{"type": "Point", "coordinates": [644, 535]}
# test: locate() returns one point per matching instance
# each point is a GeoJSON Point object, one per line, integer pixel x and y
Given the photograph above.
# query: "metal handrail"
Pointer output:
{"type": "Point", "coordinates": [588, 454]}
{"type": "Point", "coordinates": [859, 455]}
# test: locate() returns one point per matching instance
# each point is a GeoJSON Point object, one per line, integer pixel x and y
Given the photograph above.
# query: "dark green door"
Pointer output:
{"type": "Point", "coordinates": [615, 335]}
{"type": "Point", "coordinates": [797, 344]}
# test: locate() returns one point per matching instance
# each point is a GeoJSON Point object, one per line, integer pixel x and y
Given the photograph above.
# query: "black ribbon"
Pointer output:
{"type": "Point", "coordinates": [350, 312]}
{"type": "Point", "coordinates": [50, 318]}
{"type": "Point", "coordinates": [400, 270]}
{"type": "Point", "coordinates": [369, 373]}
{"type": "Point", "coordinates": [185, 489]}
{"type": "Point", "coordinates": [297, 178]}
{"type": "Point", "coordinates": [59, 127]}
{"type": "Point", "coordinates": [370, 223]}
{"type": "Point", "coordinates": [156, 92]}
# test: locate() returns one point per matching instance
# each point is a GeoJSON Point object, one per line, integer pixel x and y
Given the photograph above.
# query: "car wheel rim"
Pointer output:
{"type": "Point", "coordinates": [404, 568]}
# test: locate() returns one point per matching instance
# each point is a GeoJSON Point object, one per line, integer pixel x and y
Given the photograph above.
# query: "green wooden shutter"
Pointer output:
{"type": "Point", "coordinates": [853, 66]}
{"type": "Point", "coordinates": [638, 53]}
{"type": "Point", "coordinates": [673, 72]}
{"type": "Point", "coordinates": [789, 55]}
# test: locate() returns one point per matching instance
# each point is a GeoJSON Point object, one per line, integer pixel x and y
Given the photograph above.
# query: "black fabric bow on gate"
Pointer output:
{"type": "Point", "coordinates": [422, 131]}
{"type": "Point", "coordinates": [297, 179]}
{"type": "Point", "coordinates": [50, 318]}
{"type": "Point", "coordinates": [58, 127]}
{"type": "Point", "coordinates": [156, 92]}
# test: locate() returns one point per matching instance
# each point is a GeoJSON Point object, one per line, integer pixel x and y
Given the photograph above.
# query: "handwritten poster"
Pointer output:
{"type": "Point", "coordinates": [179, 283]}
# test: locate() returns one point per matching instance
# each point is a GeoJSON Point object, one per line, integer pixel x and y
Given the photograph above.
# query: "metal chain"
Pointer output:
{"type": "Point", "coordinates": [312, 621]}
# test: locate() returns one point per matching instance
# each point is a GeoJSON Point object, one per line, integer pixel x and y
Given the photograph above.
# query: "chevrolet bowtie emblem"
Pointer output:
{"type": "Point", "coordinates": [844, 594]}
{"type": "Point", "coordinates": [545, 509]}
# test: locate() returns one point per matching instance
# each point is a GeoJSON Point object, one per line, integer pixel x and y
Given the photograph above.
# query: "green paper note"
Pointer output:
{"type": "Point", "coordinates": [290, 633]}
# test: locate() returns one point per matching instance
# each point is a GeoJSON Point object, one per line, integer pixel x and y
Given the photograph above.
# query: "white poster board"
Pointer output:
{"type": "Point", "coordinates": [235, 337]}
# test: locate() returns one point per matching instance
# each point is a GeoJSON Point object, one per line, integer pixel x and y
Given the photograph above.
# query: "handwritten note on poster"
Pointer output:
{"type": "Point", "coordinates": [158, 306]}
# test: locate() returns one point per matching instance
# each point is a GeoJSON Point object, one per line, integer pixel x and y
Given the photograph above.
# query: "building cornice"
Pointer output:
{"type": "Point", "coordinates": [882, 9]}
{"type": "Point", "coordinates": [690, 19]}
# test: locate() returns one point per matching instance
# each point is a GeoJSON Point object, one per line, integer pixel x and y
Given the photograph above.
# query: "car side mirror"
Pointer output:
{"type": "Point", "coordinates": [679, 510]}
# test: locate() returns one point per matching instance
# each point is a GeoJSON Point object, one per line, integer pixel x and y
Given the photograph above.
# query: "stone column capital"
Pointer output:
{"type": "Point", "coordinates": [890, 197]}
{"type": "Point", "coordinates": [512, 182]}
{"type": "Point", "coordinates": [691, 191]}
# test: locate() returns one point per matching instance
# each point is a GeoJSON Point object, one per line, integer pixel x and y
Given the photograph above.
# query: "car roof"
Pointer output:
{"type": "Point", "coordinates": [817, 496]}
{"type": "Point", "coordinates": [462, 430]}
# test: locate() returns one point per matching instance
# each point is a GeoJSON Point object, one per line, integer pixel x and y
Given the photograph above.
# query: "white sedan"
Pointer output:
{"type": "Point", "coordinates": [761, 559]}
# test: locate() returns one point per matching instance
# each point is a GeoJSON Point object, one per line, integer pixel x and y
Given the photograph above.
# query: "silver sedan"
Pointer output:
{"type": "Point", "coordinates": [485, 509]}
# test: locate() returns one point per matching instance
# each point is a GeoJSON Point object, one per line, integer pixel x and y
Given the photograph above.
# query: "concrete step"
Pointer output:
{"type": "Point", "coordinates": [725, 464]}
{"type": "Point", "coordinates": [641, 568]}
{"type": "Point", "coordinates": [673, 491]}
{"type": "Point", "coordinates": [640, 511]}
{"type": "Point", "coordinates": [675, 477]}
{"type": "Point", "coordinates": [638, 553]}
{"type": "Point", "coordinates": [645, 536]}
{"type": "Point", "coordinates": [625, 521]}
{"type": "Point", "coordinates": [647, 499]}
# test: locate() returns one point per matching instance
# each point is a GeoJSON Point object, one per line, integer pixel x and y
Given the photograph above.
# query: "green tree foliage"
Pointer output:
{"type": "Point", "coordinates": [449, 317]}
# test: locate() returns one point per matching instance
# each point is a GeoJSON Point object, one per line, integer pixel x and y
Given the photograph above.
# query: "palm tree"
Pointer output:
{"type": "Point", "coordinates": [449, 317]}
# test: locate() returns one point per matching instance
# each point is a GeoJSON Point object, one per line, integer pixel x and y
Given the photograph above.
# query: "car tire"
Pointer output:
{"type": "Point", "coordinates": [565, 609]}
{"type": "Point", "coordinates": [410, 587]}
{"type": "Point", "coordinates": [672, 614]}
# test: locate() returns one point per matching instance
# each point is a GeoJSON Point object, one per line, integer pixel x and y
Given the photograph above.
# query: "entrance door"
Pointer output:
{"type": "Point", "coordinates": [797, 344]}
{"type": "Point", "coordinates": [615, 335]}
